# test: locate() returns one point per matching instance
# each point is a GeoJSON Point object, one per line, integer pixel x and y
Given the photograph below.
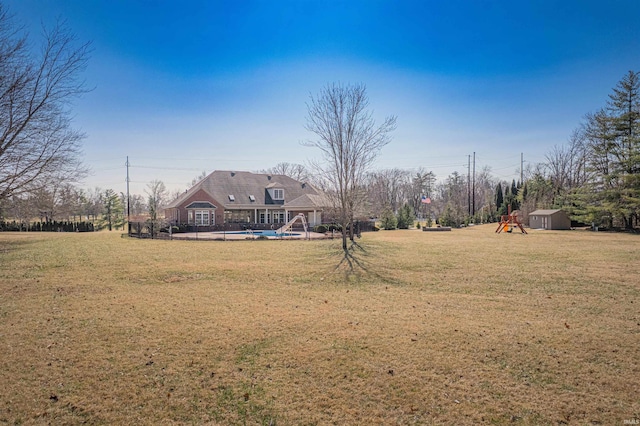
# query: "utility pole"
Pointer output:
{"type": "Point", "coordinates": [128, 200]}
{"type": "Point", "coordinates": [469, 183]}
{"type": "Point", "coordinates": [522, 168]}
{"type": "Point", "coordinates": [473, 210]}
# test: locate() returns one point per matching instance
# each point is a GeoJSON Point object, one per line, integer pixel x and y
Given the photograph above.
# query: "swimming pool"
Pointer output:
{"type": "Point", "coordinates": [267, 233]}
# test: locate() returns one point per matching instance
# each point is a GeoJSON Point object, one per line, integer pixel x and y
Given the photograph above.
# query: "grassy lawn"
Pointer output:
{"type": "Point", "coordinates": [444, 327]}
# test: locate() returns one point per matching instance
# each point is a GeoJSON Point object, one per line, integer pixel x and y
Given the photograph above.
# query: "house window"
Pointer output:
{"type": "Point", "coordinates": [238, 216]}
{"type": "Point", "coordinates": [202, 217]}
{"type": "Point", "coordinates": [278, 217]}
{"type": "Point", "coordinates": [231, 197]}
{"type": "Point", "coordinates": [252, 198]}
{"type": "Point", "coordinates": [266, 217]}
{"type": "Point", "coordinates": [278, 194]}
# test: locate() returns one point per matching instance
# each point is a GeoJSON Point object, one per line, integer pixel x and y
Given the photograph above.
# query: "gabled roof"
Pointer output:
{"type": "Point", "coordinates": [200, 205]}
{"type": "Point", "coordinates": [543, 212]}
{"type": "Point", "coordinates": [309, 200]}
{"type": "Point", "coordinates": [220, 184]}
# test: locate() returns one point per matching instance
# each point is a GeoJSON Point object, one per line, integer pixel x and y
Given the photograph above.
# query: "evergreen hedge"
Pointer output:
{"type": "Point", "coordinates": [50, 226]}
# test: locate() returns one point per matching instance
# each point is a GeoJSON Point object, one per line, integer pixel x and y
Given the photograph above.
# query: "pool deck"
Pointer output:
{"type": "Point", "coordinates": [236, 237]}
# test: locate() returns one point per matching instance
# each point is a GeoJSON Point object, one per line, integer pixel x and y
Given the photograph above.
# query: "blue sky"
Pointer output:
{"type": "Point", "coordinates": [191, 86]}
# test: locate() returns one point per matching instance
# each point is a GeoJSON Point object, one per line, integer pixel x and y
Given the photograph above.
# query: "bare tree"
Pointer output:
{"type": "Point", "coordinates": [69, 200]}
{"type": "Point", "coordinates": [349, 140]}
{"type": "Point", "coordinates": [93, 203]}
{"type": "Point", "coordinates": [294, 171]}
{"type": "Point", "coordinates": [21, 208]}
{"type": "Point", "coordinates": [138, 205]}
{"type": "Point", "coordinates": [197, 179]}
{"type": "Point", "coordinates": [387, 189]}
{"type": "Point", "coordinates": [422, 184]}
{"type": "Point", "coordinates": [57, 201]}
{"type": "Point", "coordinates": [37, 143]}
{"type": "Point", "coordinates": [452, 200]}
{"type": "Point", "coordinates": [566, 163]}
{"type": "Point", "coordinates": [485, 188]}
{"type": "Point", "coordinates": [157, 196]}
{"type": "Point", "coordinates": [175, 194]}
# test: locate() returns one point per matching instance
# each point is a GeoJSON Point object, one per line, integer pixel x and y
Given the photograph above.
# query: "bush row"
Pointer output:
{"type": "Point", "coordinates": [359, 226]}
{"type": "Point", "coordinates": [321, 229]}
{"type": "Point", "coordinates": [51, 226]}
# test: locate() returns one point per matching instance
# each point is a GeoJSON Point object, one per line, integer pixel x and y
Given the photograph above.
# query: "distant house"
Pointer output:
{"type": "Point", "coordinates": [549, 219]}
{"type": "Point", "coordinates": [246, 199]}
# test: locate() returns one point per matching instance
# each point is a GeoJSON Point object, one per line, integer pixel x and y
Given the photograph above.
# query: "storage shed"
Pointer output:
{"type": "Point", "coordinates": [549, 219]}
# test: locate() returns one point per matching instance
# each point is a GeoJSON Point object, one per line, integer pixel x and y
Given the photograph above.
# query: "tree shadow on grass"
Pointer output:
{"type": "Point", "coordinates": [357, 264]}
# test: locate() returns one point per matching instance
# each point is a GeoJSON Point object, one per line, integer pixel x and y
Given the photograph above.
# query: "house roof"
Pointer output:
{"type": "Point", "coordinates": [220, 184]}
{"type": "Point", "coordinates": [309, 200]}
{"type": "Point", "coordinates": [200, 205]}
{"type": "Point", "coordinates": [543, 212]}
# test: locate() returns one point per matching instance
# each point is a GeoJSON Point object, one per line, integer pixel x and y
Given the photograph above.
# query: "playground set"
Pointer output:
{"type": "Point", "coordinates": [510, 221]}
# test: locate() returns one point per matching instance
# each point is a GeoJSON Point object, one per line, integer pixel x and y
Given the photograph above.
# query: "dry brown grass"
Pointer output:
{"type": "Point", "coordinates": [462, 327]}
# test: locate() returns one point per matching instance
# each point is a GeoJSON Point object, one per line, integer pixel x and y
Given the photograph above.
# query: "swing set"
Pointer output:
{"type": "Point", "coordinates": [509, 222]}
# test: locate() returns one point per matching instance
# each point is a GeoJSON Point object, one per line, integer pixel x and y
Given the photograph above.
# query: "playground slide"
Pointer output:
{"type": "Point", "coordinates": [289, 224]}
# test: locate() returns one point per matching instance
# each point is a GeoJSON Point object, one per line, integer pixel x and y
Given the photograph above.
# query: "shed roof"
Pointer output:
{"type": "Point", "coordinates": [545, 212]}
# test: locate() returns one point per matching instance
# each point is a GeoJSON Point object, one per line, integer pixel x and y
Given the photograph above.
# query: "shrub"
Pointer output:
{"type": "Point", "coordinates": [449, 218]}
{"type": "Point", "coordinates": [405, 217]}
{"type": "Point", "coordinates": [388, 220]}
{"type": "Point", "coordinates": [174, 230]}
{"type": "Point", "coordinates": [418, 225]}
{"type": "Point", "coordinates": [321, 229]}
{"type": "Point", "coordinates": [335, 227]}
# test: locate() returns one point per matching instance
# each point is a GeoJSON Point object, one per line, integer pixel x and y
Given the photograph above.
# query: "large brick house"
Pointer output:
{"type": "Point", "coordinates": [246, 199]}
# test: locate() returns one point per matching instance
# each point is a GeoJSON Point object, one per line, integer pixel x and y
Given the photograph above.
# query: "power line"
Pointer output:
{"type": "Point", "coordinates": [167, 168]}
{"type": "Point", "coordinates": [104, 169]}
{"type": "Point", "coordinates": [515, 166]}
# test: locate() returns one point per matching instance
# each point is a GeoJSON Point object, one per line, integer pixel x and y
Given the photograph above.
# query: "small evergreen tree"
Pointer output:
{"type": "Point", "coordinates": [448, 217]}
{"type": "Point", "coordinates": [388, 220]}
{"type": "Point", "coordinates": [406, 217]}
{"type": "Point", "coordinates": [500, 199]}
{"type": "Point", "coordinates": [113, 210]}
{"type": "Point", "coordinates": [499, 196]}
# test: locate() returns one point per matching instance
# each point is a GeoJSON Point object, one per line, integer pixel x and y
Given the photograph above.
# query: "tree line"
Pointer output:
{"type": "Point", "coordinates": [51, 226]}
{"type": "Point", "coordinates": [595, 176]}
{"type": "Point", "coordinates": [102, 208]}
